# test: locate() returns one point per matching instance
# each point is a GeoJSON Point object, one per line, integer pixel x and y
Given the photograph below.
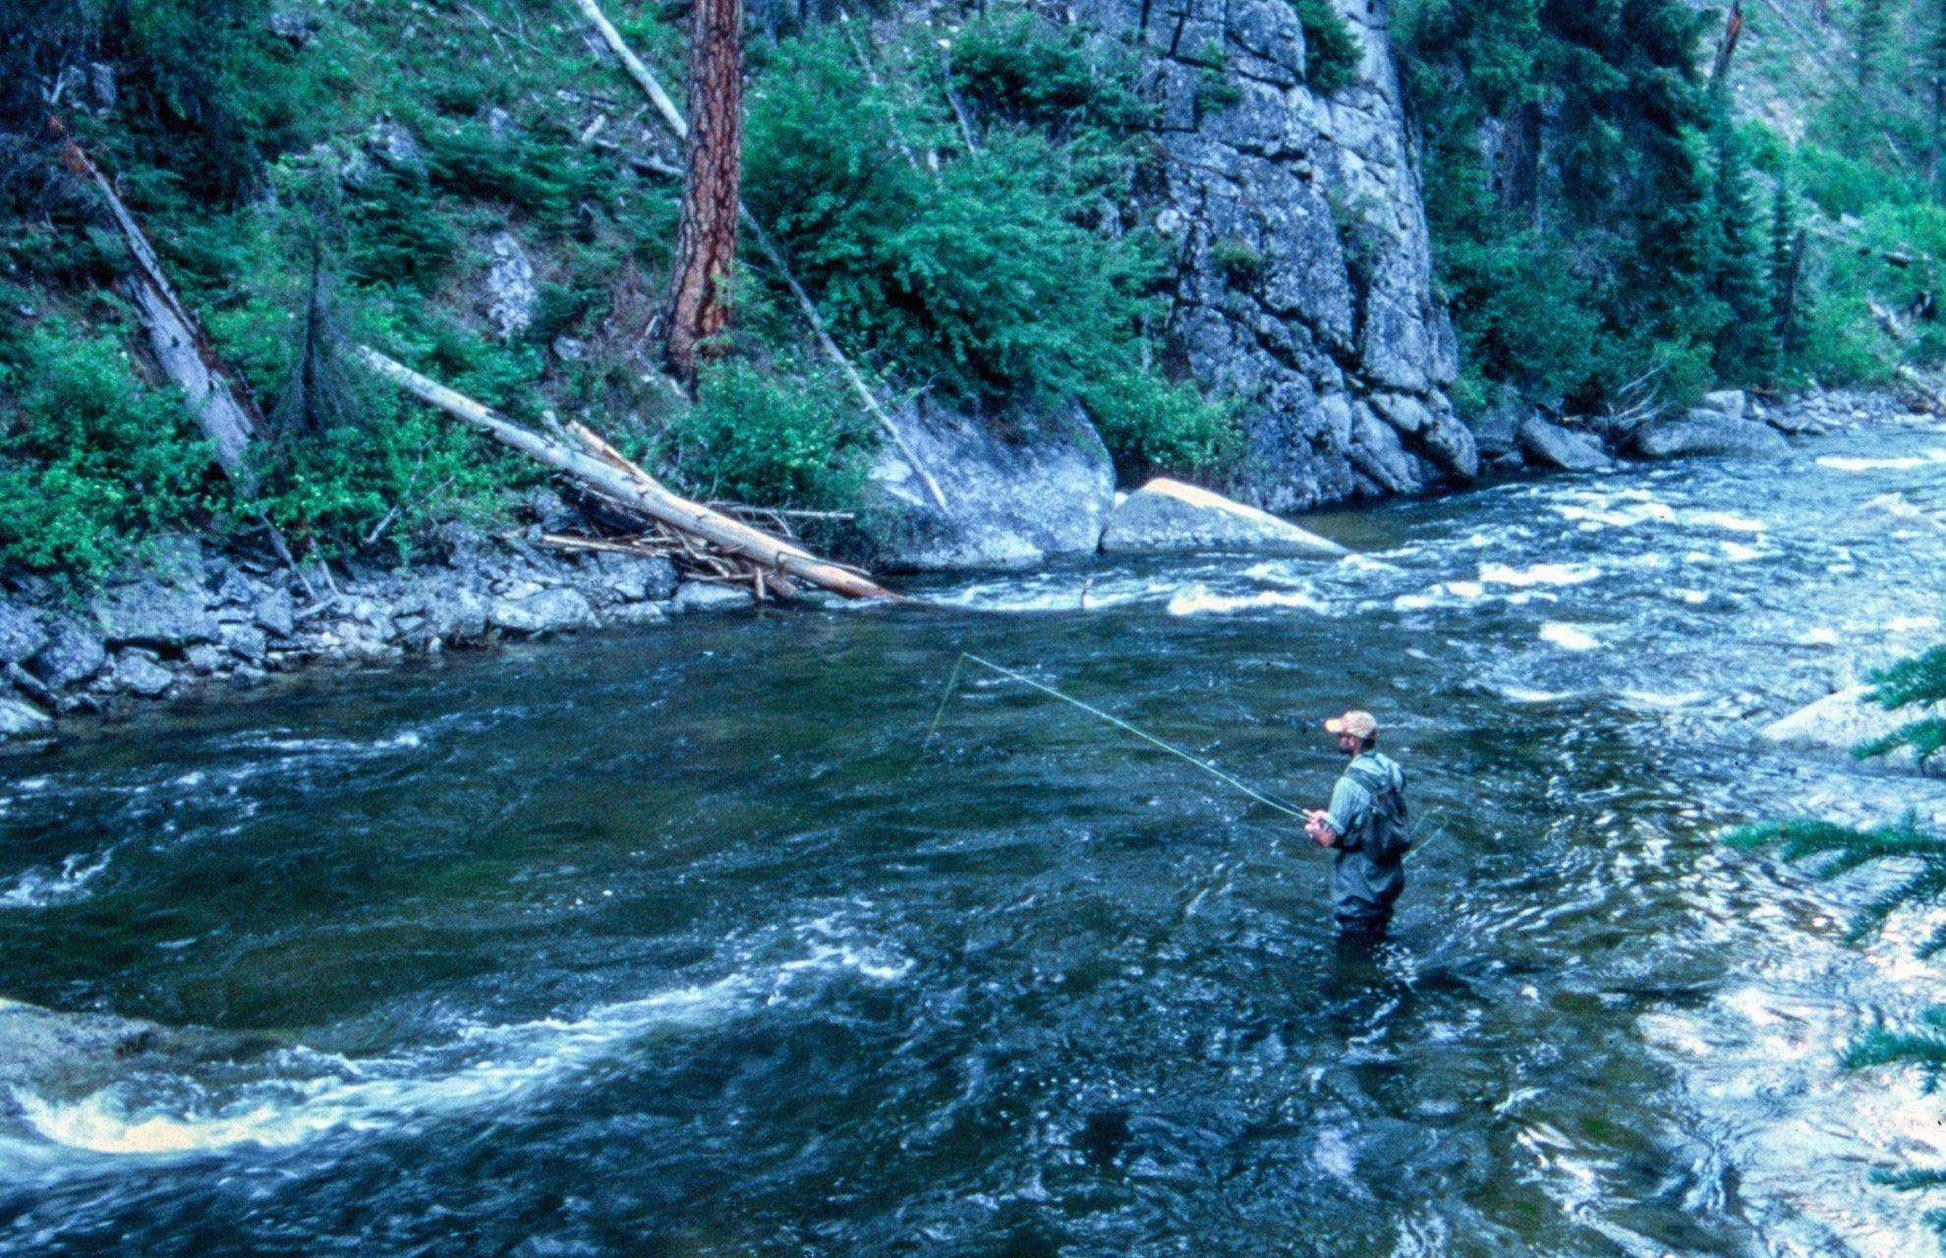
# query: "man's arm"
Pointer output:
{"type": "Point", "coordinates": [1331, 827]}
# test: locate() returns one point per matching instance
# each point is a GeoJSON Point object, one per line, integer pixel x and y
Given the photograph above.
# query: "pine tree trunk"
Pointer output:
{"type": "Point", "coordinates": [698, 307]}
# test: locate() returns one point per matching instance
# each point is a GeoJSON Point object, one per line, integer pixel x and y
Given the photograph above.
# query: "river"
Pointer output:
{"type": "Point", "coordinates": [683, 942]}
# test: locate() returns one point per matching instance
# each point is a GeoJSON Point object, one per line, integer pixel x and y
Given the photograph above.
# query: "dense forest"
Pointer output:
{"type": "Point", "coordinates": [1631, 203]}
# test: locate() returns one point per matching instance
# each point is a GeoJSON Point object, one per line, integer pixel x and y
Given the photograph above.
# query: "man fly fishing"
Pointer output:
{"type": "Point", "coordinates": [1366, 828]}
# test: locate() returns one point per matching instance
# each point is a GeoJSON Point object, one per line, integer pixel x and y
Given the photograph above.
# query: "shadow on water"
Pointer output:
{"type": "Point", "coordinates": [680, 943]}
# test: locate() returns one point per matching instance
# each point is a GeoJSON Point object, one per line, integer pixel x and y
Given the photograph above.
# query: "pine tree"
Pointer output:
{"type": "Point", "coordinates": [1873, 31]}
{"type": "Point", "coordinates": [1746, 346]}
{"type": "Point", "coordinates": [1786, 266]}
{"type": "Point", "coordinates": [1920, 683]}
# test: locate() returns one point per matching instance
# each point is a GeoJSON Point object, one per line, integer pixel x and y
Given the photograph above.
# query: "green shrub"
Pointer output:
{"type": "Point", "coordinates": [787, 439]}
{"type": "Point", "coordinates": [1331, 49]}
{"type": "Point", "coordinates": [91, 457]}
{"type": "Point", "coordinates": [1151, 425]}
{"type": "Point", "coordinates": [1237, 260]}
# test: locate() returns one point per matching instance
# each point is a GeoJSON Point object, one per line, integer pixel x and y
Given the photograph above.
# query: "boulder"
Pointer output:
{"type": "Point", "coordinates": [63, 1055]}
{"type": "Point", "coordinates": [634, 578]}
{"type": "Point", "coordinates": [138, 673]}
{"type": "Point", "coordinates": [207, 659]}
{"type": "Point", "coordinates": [1731, 404]}
{"type": "Point", "coordinates": [1709, 434]}
{"type": "Point", "coordinates": [1842, 722]}
{"type": "Point", "coordinates": [511, 295]}
{"type": "Point", "coordinates": [21, 634]}
{"type": "Point", "coordinates": [1166, 516]}
{"type": "Point", "coordinates": [154, 614]}
{"type": "Point", "coordinates": [454, 615]}
{"type": "Point", "coordinates": [545, 611]}
{"type": "Point", "coordinates": [276, 613]}
{"type": "Point", "coordinates": [1043, 488]}
{"type": "Point", "coordinates": [246, 642]}
{"type": "Point", "coordinates": [72, 654]}
{"type": "Point", "coordinates": [21, 719]}
{"type": "Point", "coordinates": [702, 596]}
{"type": "Point", "coordinates": [1551, 445]}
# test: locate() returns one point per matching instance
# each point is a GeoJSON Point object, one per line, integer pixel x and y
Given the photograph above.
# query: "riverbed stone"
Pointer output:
{"type": "Point", "coordinates": [22, 634]}
{"type": "Point", "coordinates": [139, 673]}
{"type": "Point", "coordinates": [206, 659]}
{"type": "Point", "coordinates": [276, 613]}
{"type": "Point", "coordinates": [246, 642]}
{"type": "Point", "coordinates": [73, 653]}
{"type": "Point", "coordinates": [1843, 721]}
{"type": "Point", "coordinates": [1014, 498]}
{"type": "Point", "coordinates": [1709, 434]}
{"type": "Point", "coordinates": [705, 596]}
{"type": "Point", "coordinates": [543, 612]}
{"type": "Point", "coordinates": [634, 578]}
{"type": "Point", "coordinates": [1169, 516]}
{"type": "Point", "coordinates": [1551, 445]}
{"type": "Point", "coordinates": [21, 719]}
{"type": "Point", "coordinates": [152, 613]}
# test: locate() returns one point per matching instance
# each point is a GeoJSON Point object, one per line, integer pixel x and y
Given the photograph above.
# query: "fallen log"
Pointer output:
{"type": "Point", "coordinates": [220, 409]}
{"type": "Point", "coordinates": [629, 486]}
{"type": "Point", "coordinates": [673, 119]}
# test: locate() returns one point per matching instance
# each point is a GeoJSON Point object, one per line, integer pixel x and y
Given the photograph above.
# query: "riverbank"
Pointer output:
{"type": "Point", "coordinates": [188, 617]}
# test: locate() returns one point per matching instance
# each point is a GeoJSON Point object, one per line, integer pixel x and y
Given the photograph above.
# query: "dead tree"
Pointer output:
{"type": "Point", "coordinates": [698, 308]}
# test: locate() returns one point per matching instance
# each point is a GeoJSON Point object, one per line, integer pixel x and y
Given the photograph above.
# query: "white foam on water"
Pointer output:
{"type": "Point", "coordinates": [1521, 694]}
{"type": "Point", "coordinates": [1200, 600]}
{"type": "Point", "coordinates": [1569, 637]}
{"type": "Point", "coordinates": [1539, 574]}
{"type": "Point", "coordinates": [1690, 596]}
{"type": "Point", "coordinates": [1737, 552]}
{"type": "Point", "coordinates": [1901, 463]}
{"type": "Point", "coordinates": [1911, 624]}
{"type": "Point", "coordinates": [307, 1094]}
{"type": "Point", "coordinates": [43, 887]}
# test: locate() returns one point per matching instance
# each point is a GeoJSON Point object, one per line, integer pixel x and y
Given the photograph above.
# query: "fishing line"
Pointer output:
{"type": "Point", "coordinates": [1112, 719]}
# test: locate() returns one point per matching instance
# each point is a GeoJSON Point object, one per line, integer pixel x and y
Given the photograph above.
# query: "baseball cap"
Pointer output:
{"type": "Point", "coordinates": [1356, 723]}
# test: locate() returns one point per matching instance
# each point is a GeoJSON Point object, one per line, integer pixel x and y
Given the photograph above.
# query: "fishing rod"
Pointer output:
{"type": "Point", "coordinates": [1283, 806]}
{"type": "Point", "coordinates": [967, 656]}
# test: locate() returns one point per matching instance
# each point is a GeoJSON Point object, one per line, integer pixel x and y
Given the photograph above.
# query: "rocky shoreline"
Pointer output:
{"type": "Point", "coordinates": [190, 617]}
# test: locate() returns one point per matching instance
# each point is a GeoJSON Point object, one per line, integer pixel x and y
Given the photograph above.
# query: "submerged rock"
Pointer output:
{"type": "Point", "coordinates": [1043, 489]}
{"type": "Point", "coordinates": [1843, 722]}
{"type": "Point", "coordinates": [702, 596]}
{"type": "Point", "coordinates": [1166, 515]}
{"type": "Point", "coordinates": [1554, 446]}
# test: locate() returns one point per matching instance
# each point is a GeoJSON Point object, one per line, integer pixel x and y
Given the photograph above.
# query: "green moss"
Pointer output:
{"type": "Point", "coordinates": [1331, 49]}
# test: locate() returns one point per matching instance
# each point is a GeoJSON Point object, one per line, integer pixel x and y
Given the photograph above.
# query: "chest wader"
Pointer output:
{"type": "Point", "coordinates": [1368, 876]}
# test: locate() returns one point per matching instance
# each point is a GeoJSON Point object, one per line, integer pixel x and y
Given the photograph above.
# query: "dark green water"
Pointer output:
{"type": "Point", "coordinates": [675, 943]}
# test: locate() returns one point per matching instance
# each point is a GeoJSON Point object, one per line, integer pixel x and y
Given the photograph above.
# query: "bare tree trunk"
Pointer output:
{"type": "Point", "coordinates": [698, 307]}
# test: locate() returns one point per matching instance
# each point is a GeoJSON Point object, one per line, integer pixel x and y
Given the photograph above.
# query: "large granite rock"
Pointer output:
{"type": "Point", "coordinates": [1551, 445]}
{"type": "Point", "coordinates": [1304, 268]}
{"type": "Point", "coordinates": [21, 719]}
{"type": "Point", "coordinates": [704, 596]}
{"type": "Point", "coordinates": [153, 613]}
{"type": "Point", "coordinates": [21, 634]}
{"type": "Point", "coordinates": [1709, 433]}
{"type": "Point", "coordinates": [1013, 500]}
{"type": "Point", "coordinates": [73, 653]}
{"type": "Point", "coordinates": [1166, 515]}
{"type": "Point", "coordinates": [545, 611]}
{"type": "Point", "coordinates": [1843, 722]}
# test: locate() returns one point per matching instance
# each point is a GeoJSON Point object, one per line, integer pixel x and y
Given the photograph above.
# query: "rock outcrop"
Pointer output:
{"type": "Point", "coordinates": [1013, 499]}
{"type": "Point", "coordinates": [1305, 274]}
{"type": "Point", "coordinates": [1167, 516]}
{"type": "Point", "coordinates": [1550, 445]}
{"type": "Point", "coordinates": [1843, 722]}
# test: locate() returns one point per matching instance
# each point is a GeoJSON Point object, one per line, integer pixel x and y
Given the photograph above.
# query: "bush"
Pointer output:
{"type": "Point", "coordinates": [1153, 426]}
{"type": "Point", "coordinates": [785, 439]}
{"type": "Point", "coordinates": [91, 458]}
{"type": "Point", "coordinates": [1331, 49]}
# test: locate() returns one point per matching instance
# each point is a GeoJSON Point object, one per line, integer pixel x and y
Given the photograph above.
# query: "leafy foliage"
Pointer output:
{"type": "Point", "coordinates": [89, 454]}
{"type": "Point", "coordinates": [788, 439]}
{"type": "Point", "coordinates": [1331, 49]}
{"type": "Point", "coordinates": [988, 280]}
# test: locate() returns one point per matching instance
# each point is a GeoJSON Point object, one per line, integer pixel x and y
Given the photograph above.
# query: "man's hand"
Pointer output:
{"type": "Point", "coordinates": [1318, 826]}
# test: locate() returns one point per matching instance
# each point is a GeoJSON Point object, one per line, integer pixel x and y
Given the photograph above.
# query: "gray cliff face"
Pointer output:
{"type": "Point", "coordinates": [1305, 276]}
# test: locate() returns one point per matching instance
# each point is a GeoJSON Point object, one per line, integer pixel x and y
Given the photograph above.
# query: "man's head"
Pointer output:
{"type": "Point", "coordinates": [1356, 731]}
